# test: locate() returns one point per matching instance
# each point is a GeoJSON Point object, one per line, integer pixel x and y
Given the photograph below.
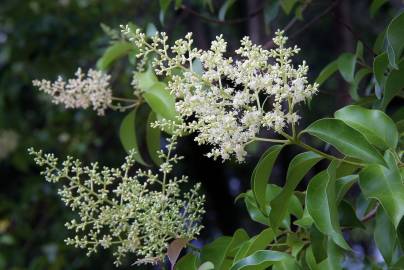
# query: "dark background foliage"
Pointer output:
{"type": "Point", "coordinates": [44, 39]}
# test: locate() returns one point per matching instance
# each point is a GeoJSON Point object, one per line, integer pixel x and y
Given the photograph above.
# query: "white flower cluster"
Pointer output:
{"type": "Point", "coordinates": [91, 89]}
{"type": "Point", "coordinates": [231, 99]}
{"type": "Point", "coordinates": [137, 214]}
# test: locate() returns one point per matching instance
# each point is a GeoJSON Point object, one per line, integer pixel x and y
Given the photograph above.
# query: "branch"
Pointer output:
{"type": "Point", "coordinates": [216, 21]}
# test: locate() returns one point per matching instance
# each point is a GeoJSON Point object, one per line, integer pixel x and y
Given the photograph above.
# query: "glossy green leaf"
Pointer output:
{"type": "Point", "coordinates": [114, 52]}
{"type": "Point", "coordinates": [345, 139]}
{"type": "Point", "coordinates": [305, 221]}
{"type": "Point", "coordinates": [239, 237]}
{"type": "Point", "coordinates": [215, 252]}
{"type": "Point", "coordinates": [289, 263]}
{"type": "Point", "coordinates": [385, 185]}
{"type": "Point", "coordinates": [187, 262]}
{"type": "Point", "coordinates": [346, 65]}
{"type": "Point", "coordinates": [375, 6]}
{"type": "Point", "coordinates": [159, 99]}
{"type": "Point", "coordinates": [260, 241]}
{"type": "Point", "coordinates": [310, 259]}
{"type": "Point", "coordinates": [347, 216]}
{"type": "Point", "coordinates": [298, 168]}
{"type": "Point", "coordinates": [287, 5]}
{"type": "Point", "coordinates": [295, 243]}
{"type": "Point", "coordinates": [153, 139]}
{"type": "Point", "coordinates": [380, 67]}
{"type": "Point", "coordinates": [322, 207]}
{"type": "Point", "coordinates": [385, 236]}
{"type": "Point", "coordinates": [359, 76]}
{"type": "Point", "coordinates": [327, 71]}
{"type": "Point", "coordinates": [146, 79]}
{"type": "Point", "coordinates": [343, 184]}
{"type": "Point", "coordinates": [382, 133]}
{"type": "Point", "coordinates": [261, 174]}
{"type": "Point", "coordinates": [128, 137]}
{"type": "Point", "coordinates": [318, 242]}
{"type": "Point", "coordinates": [394, 84]}
{"type": "Point", "coordinates": [260, 260]}
{"type": "Point", "coordinates": [395, 39]}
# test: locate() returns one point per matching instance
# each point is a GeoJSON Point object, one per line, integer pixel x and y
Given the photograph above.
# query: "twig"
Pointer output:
{"type": "Point", "coordinates": [213, 20]}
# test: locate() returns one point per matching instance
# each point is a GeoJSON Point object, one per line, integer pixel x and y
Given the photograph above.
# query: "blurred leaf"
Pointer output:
{"type": "Point", "coordinates": [239, 237]}
{"type": "Point", "coordinates": [322, 206]}
{"type": "Point", "coordinates": [128, 137]}
{"type": "Point", "coordinates": [382, 133]}
{"type": "Point", "coordinates": [375, 6]}
{"type": "Point", "coordinates": [359, 50]}
{"type": "Point", "coordinates": [215, 252]}
{"type": "Point", "coordinates": [261, 174]}
{"type": "Point", "coordinates": [346, 65]}
{"type": "Point", "coordinates": [151, 30]}
{"type": "Point", "coordinates": [359, 76]}
{"type": "Point", "coordinates": [385, 185]}
{"type": "Point", "coordinates": [394, 84]}
{"type": "Point", "coordinates": [380, 66]}
{"type": "Point", "coordinates": [287, 5]}
{"type": "Point", "coordinates": [225, 7]}
{"type": "Point", "coordinates": [378, 46]}
{"type": "Point", "coordinates": [395, 39]}
{"type": "Point", "coordinates": [329, 70]}
{"type": "Point", "coordinates": [145, 80]}
{"type": "Point", "coordinates": [113, 53]}
{"type": "Point", "coordinates": [298, 168]}
{"type": "Point", "coordinates": [345, 139]}
{"type": "Point", "coordinates": [385, 236]}
{"type": "Point", "coordinates": [261, 259]}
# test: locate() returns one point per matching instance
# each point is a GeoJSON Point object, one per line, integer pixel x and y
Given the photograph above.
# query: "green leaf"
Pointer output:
{"type": "Point", "coordinates": [399, 265]}
{"type": "Point", "coordinates": [335, 257]}
{"type": "Point", "coordinates": [395, 39]}
{"type": "Point", "coordinates": [305, 221]}
{"type": "Point", "coordinates": [295, 243]}
{"type": "Point", "coordinates": [260, 260]}
{"type": "Point", "coordinates": [375, 6]}
{"type": "Point", "coordinates": [329, 70]}
{"type": "Point", "coordinates": [322, 207]}
{"type": "Point", "coordinates": [382, 133]}
{"type": "Point", "coordinates": [260, 241]}
{"type": "Point", "coordinates": [261, 174]}
{"type": "Point", "coordinates": [380, 66]}
{"type": "Point", "coordinates": [385, 185]}
{"type": "Point", "coordinates": [359, 50]}
{"type": "Point", "coordinates": [378, 46]}
{"type": "Point", "coordinates": [164, 4]}
{"type": "Point", "coordinates": [318, 244]}
{"type": "Point", "coordinates": [128, 137]}
{"type": "Point", "coordinates": [153, 139]}
{"type": "Point", "coordinates": [225, 7]}
{"type": "Point", "coordinates": [286, 264]}
{"type": "Point", "coordinates": [385, 236]}
{"type": "Point", "coordinates": [215, 252]}
{"type": "Point", "coordinates": [348, 216]}
{"type": "Point", "coordinates": [345, 139]}
{"type": "Point", "coordinates": [114, 52]}
{"type": "Point", "coordinates": [343, 184]}
{"type": "Point", "coordinates": [359, 76]}
{"type": "Point", "coordinates": [346, 65]}
{"type": "Point", "coordinates": [187, 262]}
{"type": "Point", "coordinates": [298, 168]}
{"type": "Point", "coordinates": [159, 99]}
{"type": "Point", "coordinates": [239, 237]}
{"type": "Point", "coordinates": [145, 80]}
{"type": "Point", "coordinates": [394, 84]}
{"type": "Point", "coordinates": [287, 5]}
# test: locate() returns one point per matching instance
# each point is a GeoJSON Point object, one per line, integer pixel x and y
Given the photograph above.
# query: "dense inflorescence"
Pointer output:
{"type": "Point", "coordinates": [138, 214]}
{"type": "Point", "coordinates": [84, 91]}
{"type": "Point", "coordinates": [229, 100]}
